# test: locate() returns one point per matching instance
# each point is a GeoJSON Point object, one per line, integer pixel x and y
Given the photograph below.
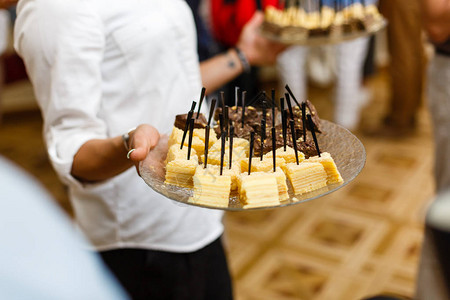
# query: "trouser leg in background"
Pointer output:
{"type": "Point", "coordinates": [349, 98]}
{"type": "Point", "coordinates": [439, 104]}
{"type": "Point", "coordinates": [407, 60]}
{"type": "Point", "coordinates": [291, 71]}
{"type": "Point", "coordinates": [148, 274]}
{"type": "Point", "coordinates": [431, 279]}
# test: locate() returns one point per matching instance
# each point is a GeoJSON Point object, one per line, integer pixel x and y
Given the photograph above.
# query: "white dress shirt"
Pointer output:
{"type": "Point", "coordinates": [99, 68]}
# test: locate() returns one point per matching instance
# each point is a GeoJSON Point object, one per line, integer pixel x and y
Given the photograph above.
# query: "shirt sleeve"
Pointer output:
{"type": "Point", "coordinates": [62, 45]}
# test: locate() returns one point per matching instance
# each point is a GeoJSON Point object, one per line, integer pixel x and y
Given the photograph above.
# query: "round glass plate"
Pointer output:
{"type": "Point", "coordinates": [293, 36]}
{"type": "Point", "coordinates": [345, 148]}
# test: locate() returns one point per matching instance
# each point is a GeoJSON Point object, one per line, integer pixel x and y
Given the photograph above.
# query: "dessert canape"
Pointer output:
{"type": "Point", "coordinates": [333, 175]}
{"type": "Point", "coordinates": [258, 189]}
{"type": "Point", "coordinates": [177, 135]}
{"type": "Point", "coordinates": [180, 171]}
{"type": "Point", "coordinates": [211, 188]}
{"type": "Point", "coordinates": [176, 153]}
{"type": "Point", "coordinates": [306, 177]}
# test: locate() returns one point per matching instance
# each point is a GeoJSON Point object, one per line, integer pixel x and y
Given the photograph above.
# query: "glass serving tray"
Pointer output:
{"type": "Point", "coordinates": [291, 36]}
{"type": "Point", "coordinates": [345, 148]}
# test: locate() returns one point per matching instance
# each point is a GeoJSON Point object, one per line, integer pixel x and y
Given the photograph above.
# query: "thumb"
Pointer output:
{"type": "Point", "coordinates": [256, 20]}
{"type": "Point", "coordinates": [143, 140]}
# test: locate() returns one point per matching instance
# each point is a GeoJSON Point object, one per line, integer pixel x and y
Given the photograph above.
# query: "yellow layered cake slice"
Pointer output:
{"type": "Point", "coordinates": [288, 155]}
{"type": "Point", "coordinates": [306, 176]}
{"type": "Point", "coordinates": [176, 153]}
{"type": "Point", "coordinates": [179, 172]}
{"type": "Point", "coordinates": [333, 175]}
{"type": "Point", "coordinates": [177, 135]}
{"type": "Point", "coordinates": [214, 156]}
{"type": "Point", "coordinates": [265, 165]}
{"type": "Point", "coordinates": [200, 133]}
{"type": "Point", "coordinates": [234, 172]}
{"type": "Point", "coordinates": [211, 188]}
{"type": "Point", "coordinates": [258, 189]}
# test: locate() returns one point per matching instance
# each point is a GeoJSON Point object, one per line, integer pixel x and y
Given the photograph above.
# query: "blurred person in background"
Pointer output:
{"type": "Point", "coordinates": [42, 257]}
{"type": "Point", "coordinates": [227, 19]}
{"type": "Point", "coordinates": [406, 67]}
{"type": "Point", "coordinates": [436, 14]}
{"type": "Point", "coordinates": [206, 44]}
{"type": "Point", "coordinates": [434, 270]}
{"type": "Point", "coordinates": [99, 68]}
{"type": "Point", "coordinates": [349, 95]}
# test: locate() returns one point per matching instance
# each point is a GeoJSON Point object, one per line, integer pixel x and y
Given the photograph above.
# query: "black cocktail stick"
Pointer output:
{"type": "Point", "coordinates": [222, 152]}
{"type": "Point", "coordinates": [222, 100]}
{"type": "Point", "coordinates": [252, 141]}
{"type": "Point", "coordinates": [225, 121]}
{"type": "Point", "coordinates": [311, 124]}
{"type": "Point", "coordinates": [292, 95]}
{"type": "Point", "coordinates": [244, 95]}
{"type": "Point", "coordinates": [202, 96]}
{"type": "Point", "coordinates": [284, 127]}
{"type": "Point", "coordinates": [294, 139]}
{"type": "Point", "coordinates": [193, 105]}
{"type": "Point", "coordinates": [273, 107]}
{"type": "Point", "coordinates": [221, 121]}
{"type": "Point", "coordinates": [207, 128]}
{"type": "Point", "coordinates": [186, 127]}
{"type": "Point", "coordinates": [274, 146]}
{"type": "Point", "coordinates": [211, 110]}
{"type": "Point", "coordinates": [231, 146]}
{"type": "Point", "coordinates": [304, 120]}
{"type": "Point", "coordinates": [191, 134]}
{"type": "Point", "coordinates": [289, 105]}
{"type": "Point", "coordinates": [264, 112]}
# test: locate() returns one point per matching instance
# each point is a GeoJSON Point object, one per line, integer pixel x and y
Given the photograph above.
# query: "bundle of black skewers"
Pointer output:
{"type": "Point", "coordinates": [270, 125]}
{"type": "Point", "coordinates": [270, 119]}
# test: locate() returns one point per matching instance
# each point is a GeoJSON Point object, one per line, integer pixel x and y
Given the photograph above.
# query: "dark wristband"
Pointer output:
{"type": "Point", "coordinates": [244, 61]}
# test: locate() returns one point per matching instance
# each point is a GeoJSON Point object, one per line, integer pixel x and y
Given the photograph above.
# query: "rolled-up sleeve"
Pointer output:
{"type": "Point", "coordinates": [62, 46]}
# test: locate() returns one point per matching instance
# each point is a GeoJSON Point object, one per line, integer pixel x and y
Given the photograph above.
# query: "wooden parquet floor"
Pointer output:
{"type": "Point", "coordinates": [362, 240]}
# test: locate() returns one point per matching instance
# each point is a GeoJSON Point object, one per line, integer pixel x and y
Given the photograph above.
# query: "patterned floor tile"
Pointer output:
{"type": "Point", "coordinates": [362, 240]}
